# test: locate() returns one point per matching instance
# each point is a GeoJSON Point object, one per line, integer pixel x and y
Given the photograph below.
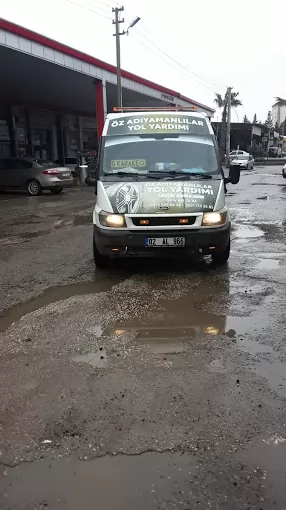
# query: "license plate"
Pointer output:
{"type": "Point", "coordinates": [164, 242]}
{"type": "Point", "coordinates": [65, 174]}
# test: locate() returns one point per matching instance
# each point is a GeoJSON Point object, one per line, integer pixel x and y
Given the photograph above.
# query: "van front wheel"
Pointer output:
{"type": "Point", "coordinates": [100, 260]}
{"type": "Point", "coordinates": [220, 258]}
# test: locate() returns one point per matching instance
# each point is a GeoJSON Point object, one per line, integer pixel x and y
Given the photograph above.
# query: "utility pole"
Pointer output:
{"type": "Point", "coordinates": [117, 35]}
{"type": "Point", "coordinates": [228, 125]}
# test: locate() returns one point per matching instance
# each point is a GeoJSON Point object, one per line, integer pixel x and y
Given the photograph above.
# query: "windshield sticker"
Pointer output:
{"type": "Point", "coordinates": [125, 163]}
{"type": "Point", "coordinates": [150, 197]}
{"type": "Point", "coordinates": [157, 124]}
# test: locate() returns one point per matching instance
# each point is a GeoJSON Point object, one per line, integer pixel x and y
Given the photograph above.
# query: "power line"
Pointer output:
{"type": "Point", "coordinates": [88, 9]}
{"type": "Point", "coordinates": [175, 63]}
{"type": "Point", "coordinates": [102, 3]}
{"type": "Point", "coordinates": [175, 59]}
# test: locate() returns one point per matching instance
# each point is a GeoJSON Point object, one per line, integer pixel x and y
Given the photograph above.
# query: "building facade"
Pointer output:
{"type": "Point", "coordinates": [246, 136]}
{"type": "Point", "coordinates": [278, 114]}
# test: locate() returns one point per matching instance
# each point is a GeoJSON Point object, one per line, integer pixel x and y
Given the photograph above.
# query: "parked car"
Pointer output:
{"type": "Point", "coordinates": [274, 152]}
{"type": "Point", "coordinates": [34, 175]}
{"type": "Point", "coordinates": [72, 164]}
{"type": "Point", "coordinates": [234, 154]}
{"type": "Point", "coordinates": [245, 161]}
{"type": "Point", "coordinates": [284, 171]}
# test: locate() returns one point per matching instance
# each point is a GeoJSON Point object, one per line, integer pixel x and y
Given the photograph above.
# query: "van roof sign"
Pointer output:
{"type": "Point", "coordinates": [159, 123]}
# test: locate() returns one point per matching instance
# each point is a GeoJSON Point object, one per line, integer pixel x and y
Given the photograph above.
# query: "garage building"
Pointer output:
{"type": "Point", "coordinates": [54, 99]}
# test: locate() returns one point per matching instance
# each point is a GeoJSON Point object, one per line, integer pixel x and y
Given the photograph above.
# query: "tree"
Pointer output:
{"type": "Point", "coordinates": [280, 101]}
{"type": "Point", "coordinates": [254, 119]}
{"type": "Point", "coordinates": [221, 103]}
{"type": "Point", "coordinates": [268, 123]}
{"type": "Point", "coordinates": [245, 119]}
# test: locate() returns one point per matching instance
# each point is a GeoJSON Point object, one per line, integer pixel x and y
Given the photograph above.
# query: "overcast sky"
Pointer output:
{"type": "Point", "coordinates": [215, 43]}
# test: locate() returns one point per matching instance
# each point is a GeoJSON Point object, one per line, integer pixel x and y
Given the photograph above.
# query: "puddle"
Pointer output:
{"type": "Point", "coordinates": [245, 232]}
{"type": "Point", "coordinates": [32, 235]}
{"type": "Point", "coordinates": [217, 367]}
{"type": "Point", "coordinates": [268, 264]}
{"type": "Point", "coordinates": [95, 359]}
{"type": "Point", "coordinates": [55, 294]}
{"type": "Point", "coordinates": [269, 457]}
{"type": "Point", "coordinates": [275, 374]}
{"type": "Point", "coordinates": [177, 321]}
{"type": "Point", "coordinates": [253, 347]}
{"type": "Point", "coordinates": [82, 219]}
{"type": "Point", "coordinates": [118, 482]}
{"type": "Point", "coordinates": [276, 255]}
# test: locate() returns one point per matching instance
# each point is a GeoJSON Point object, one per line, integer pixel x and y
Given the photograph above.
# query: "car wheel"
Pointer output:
{"type": "Point", "coordinates": [34, 188]}
{"type": "Point", "coordinates": [283, 174]}
{"type": "Point", "coordinates": [221, 258]}
{"type": "Point", "coordinates": [56, 191]}
{"type": "Point", "coordinates": [100, 260]}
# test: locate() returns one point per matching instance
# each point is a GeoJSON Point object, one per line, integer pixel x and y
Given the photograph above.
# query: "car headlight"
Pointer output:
{"type": "Point", "coordinates": [214, 218]}
{"type": "Point", "coordinates": [111, 220]}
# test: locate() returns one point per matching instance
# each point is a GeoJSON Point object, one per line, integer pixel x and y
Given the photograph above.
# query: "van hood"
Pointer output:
{"type": "Point", "coordinates": [162, 196]}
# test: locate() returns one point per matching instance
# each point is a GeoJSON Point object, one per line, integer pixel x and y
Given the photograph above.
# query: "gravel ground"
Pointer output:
{"type": "Point", "coordinates": [165, 382]}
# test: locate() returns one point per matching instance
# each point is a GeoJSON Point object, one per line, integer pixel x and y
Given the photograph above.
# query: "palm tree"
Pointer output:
{"type": "Point", "coordinates": [280, 101]}
{"type": "Point", "coordinates": [221, 103]}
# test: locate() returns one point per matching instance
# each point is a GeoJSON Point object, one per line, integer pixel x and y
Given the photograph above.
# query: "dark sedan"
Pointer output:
{"type": "Point", "coordinates": [33, 175]}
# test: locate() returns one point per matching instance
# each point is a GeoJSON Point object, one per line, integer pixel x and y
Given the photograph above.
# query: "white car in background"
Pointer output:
{"type": "Point", "coordinates": [234, 154]}
{"type": "Point", "coordinates": [245, 160]}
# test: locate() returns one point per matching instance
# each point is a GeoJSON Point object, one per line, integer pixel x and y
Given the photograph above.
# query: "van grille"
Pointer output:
{"type": "Point", "coordinates": [161, 221]}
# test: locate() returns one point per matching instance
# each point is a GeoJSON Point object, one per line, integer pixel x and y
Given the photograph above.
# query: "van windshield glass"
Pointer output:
{"type": "Point", "coordinates": [163, 157]}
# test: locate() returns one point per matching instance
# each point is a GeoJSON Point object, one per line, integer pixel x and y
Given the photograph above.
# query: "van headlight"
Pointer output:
{"type": "Point", "coordinates": [111, 220]}
{"type": "Point", "coordinates": [214, 218]}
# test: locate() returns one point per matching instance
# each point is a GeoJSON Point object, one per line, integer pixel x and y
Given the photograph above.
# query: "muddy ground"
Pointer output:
{"type": "Point", "coordinates": [148, 385]}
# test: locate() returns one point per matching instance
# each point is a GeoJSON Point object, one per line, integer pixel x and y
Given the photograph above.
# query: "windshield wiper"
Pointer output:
{"type": "Point", "coordinates": [179, 173]}
{"type": "Point", "coordinates": [132, 174]}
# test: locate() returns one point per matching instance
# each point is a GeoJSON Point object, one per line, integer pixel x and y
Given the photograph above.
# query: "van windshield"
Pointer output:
{"type": "Point", "coordinates": [161, 156]}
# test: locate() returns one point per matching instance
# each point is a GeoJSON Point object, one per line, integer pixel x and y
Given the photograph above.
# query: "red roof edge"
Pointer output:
{"type": "Point", "coordinates": [50, 43]}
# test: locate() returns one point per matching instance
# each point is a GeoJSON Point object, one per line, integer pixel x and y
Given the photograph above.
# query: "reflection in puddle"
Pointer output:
{"type": "Point", "coordinates": [275, 374]}
{"type": "Point", "coordinates": [253, 347]}
{"type": "Point", "coordinates": [268, 264]}
{"type": "Point", "coordinates": [111, 482]}
{"type": "Point", "coordinates": [95, 359]}
{"type": "Point", "coordinates": [177, 321]}
{"type": "Point", "coordinates": [217, 367]}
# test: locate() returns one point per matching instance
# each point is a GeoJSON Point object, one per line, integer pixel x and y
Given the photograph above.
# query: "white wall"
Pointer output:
{"type": "Point", "coordinates": [278, 114]}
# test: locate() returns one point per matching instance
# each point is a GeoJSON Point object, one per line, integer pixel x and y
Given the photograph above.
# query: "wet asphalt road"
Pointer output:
{"type": "Point", "coordinates": [150, 385]}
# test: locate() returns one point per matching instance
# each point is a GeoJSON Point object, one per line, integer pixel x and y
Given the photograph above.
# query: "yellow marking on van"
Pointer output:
{"type": "Point", "coordinates": [124, 163]}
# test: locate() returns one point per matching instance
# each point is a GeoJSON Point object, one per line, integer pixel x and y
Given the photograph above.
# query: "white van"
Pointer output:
{"type": "Point", "coordinates": [160, 187]}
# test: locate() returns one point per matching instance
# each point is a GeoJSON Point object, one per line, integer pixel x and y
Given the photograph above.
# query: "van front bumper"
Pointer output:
{"type": "Point", "coordinates": [128, 243]}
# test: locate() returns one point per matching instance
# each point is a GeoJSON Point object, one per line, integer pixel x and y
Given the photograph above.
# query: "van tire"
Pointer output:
{"type": "Point", "coordinates": [221, 258]}
{"type": "Point", "coordinates": [100, 260]}
{"type": "Point", "coordinates": [34, 188]}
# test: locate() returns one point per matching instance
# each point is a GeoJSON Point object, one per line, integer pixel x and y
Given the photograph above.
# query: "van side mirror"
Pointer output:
{"type": "Point", "coordinates": [234, 175]}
